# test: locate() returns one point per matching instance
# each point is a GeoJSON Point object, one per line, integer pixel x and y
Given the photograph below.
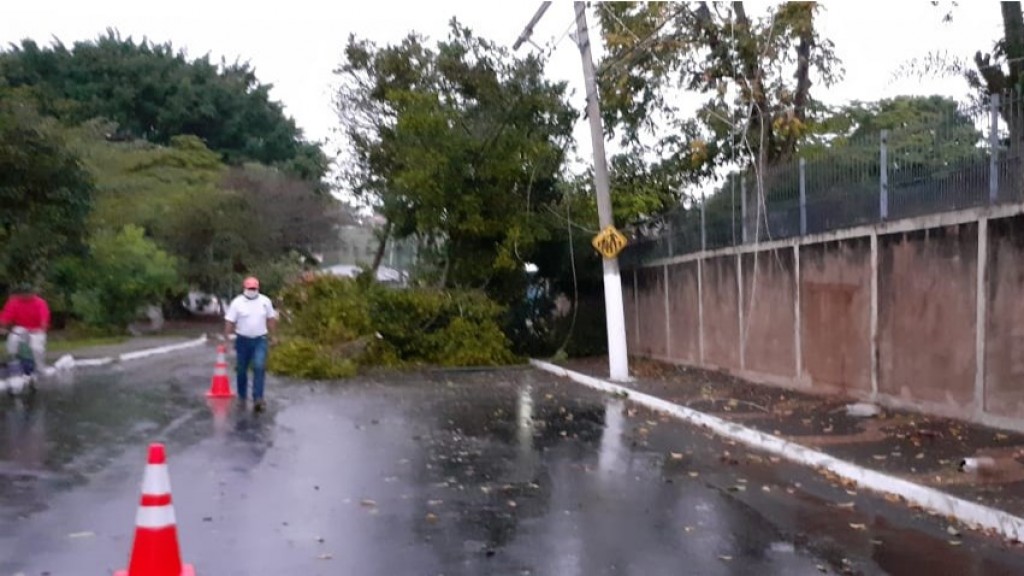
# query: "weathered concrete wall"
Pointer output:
{"type": "Point", "coordinates": [887, 312]}
{"type": "Point", "coordinates": [835, 315]}
{"type": "Point", "coordinates": [721, 313]}
{"type": "Point", "coordinates": [769, 312]}
{"type": "Point", "coordinates": [927, 307]}
{"type": "Point", "coordinates": [684, 308]}
{"type": "Point", "coordinates": [651, 311]}
{"type": "Point", "coordinates": [1004, 332]}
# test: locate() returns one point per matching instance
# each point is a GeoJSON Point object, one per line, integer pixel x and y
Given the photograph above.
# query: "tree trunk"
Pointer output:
{"type": "Point", "coordinates": [803, 81]}
{"type": "Point", "coordinates": [381, 248]}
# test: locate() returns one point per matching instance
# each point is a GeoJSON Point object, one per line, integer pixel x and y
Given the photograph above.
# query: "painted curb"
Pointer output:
{"type": "Point", "coordinates": [970, 513]}
{"type": "Point", "coordinates": [15, 383]}
{"type": "Point", "coordinates": [162, 349]}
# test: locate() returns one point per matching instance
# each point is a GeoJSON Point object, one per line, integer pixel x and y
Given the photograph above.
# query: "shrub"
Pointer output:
{"type": "Point", "coordinates": [304, 358]}
{"type": "Point", "coordinates": [124, 271]}
{"type": "Point", "coordinates": [333, 324]}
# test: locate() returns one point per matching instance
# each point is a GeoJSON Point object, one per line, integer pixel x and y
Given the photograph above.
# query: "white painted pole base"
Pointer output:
{"type": "Point", "coordinates": [618, 359]}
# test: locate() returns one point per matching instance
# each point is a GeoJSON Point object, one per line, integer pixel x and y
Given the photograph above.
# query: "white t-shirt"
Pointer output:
{"type": "Point", "coordinates": [250, 316]}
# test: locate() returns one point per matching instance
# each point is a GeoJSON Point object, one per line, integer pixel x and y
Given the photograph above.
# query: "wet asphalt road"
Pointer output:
{"type": "Point", "coordinates": [454, 473]}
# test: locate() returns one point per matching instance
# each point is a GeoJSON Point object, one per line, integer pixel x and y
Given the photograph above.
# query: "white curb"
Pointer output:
{"type": "Point", "coordinates": [16, 383]}
{"type": "Point", "coordinates": [970, 513]}
{"type": "Point", "coordinates": [162, 349]}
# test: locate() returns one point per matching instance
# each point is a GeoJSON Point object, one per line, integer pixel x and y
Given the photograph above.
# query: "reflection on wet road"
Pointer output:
{"type": "Point", "coordinates": [454, 473]}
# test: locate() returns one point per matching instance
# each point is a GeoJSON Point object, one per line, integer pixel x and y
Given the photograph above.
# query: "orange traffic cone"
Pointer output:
{"type": "Point", "coordinates": [219, 386]}
{"type": "Point", "coordinates": [155, 551]}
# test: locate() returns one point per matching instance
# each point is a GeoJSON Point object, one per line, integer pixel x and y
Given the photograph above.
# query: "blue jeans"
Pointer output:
{"type": "Point", "coordinates": [251, 351]}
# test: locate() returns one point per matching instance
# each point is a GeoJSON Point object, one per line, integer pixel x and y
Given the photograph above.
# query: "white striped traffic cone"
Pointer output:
{"type": "Point", "coordinates": [155, 551]}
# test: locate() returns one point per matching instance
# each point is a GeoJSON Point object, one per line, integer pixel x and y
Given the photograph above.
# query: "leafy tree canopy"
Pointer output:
{"type": "Point", "coordinates": [459, 142]}
{"type": "Point", "coordinates": [756, 72]}
{"type": "Point", "coordinates": [44, 189]}
{"type": "Point", "coordinates": [154, 92]}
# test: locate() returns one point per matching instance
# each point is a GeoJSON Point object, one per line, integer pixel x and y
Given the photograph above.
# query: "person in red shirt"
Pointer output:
{"type": "Point", "coordinates": [26, 317]}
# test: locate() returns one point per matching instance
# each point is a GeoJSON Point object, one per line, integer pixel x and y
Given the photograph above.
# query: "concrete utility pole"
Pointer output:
{"type": "Point", "coordinates": [618, 360]}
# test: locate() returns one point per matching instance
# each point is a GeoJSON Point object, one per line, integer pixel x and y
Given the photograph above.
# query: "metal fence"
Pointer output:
{"type": "Point", "coordinates": [936, 159]}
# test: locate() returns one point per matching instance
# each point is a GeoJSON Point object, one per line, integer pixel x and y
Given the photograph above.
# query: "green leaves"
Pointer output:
{"type": "Point", "coordinates": [44, 191]}
{"type": "Point", "coordinates": [460, 142]}
{"type": "Point", "coordinates": [126, 271]}
{"type": "Point", "coordinates": [756, 73]}
{"type": "Point", "coordinates": [154, 92]}
{"type": "Point", "coordinates": [333, 324]}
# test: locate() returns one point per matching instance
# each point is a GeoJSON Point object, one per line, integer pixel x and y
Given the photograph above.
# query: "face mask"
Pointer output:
{"type": "Point", "coordinates": [251, 293]}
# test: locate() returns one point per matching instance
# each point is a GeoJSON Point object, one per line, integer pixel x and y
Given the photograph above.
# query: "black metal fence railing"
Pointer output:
{"type": "Point", "coordinates": [953, 160]}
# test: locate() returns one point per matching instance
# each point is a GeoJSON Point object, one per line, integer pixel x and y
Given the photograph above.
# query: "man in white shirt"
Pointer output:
{"type": "Point", "coordinates": [253, 320]}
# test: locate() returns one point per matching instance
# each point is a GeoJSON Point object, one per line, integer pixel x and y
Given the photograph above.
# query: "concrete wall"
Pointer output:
{"type": "Point", "coordinates": [650, 310]}
{"type": "Point", "coordinates": [835, 314]}
{"type": "Point", "coordinates": [924, 313]}
{"type": "Point", "coordinates": [684, 311]}
{"type": "Point", "coordinates": [769, 312]}
{"type": "Point", "coordinates": [720, 302]}
{"type": "Point", "coordinates": [1004, 332]}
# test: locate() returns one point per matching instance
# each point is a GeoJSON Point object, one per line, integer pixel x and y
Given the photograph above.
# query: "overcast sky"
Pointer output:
{"type": "Point", "coordinates": [295, 44]}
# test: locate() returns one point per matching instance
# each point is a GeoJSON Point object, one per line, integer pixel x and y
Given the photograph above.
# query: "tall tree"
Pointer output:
{"type": "Point", "coordinates": [757, 73]}
{"type": "Point", "coordinates": [460, 144]}
{"type": "Point", "coordinates": [998, 70]}
{"type": "Point", "coordinates": [45, 191]}
{"type": "Point", "coordinates": [154, 92]}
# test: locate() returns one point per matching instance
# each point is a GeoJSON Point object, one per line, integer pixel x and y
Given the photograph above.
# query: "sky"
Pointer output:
{"type": "Point", "coordinates": [296, 44]}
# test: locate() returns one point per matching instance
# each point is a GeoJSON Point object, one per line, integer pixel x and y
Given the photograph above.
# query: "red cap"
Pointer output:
{"type": "Point", "coordinates": [157, 454]}
{"type": "Point", "coordinates": [250, 282]}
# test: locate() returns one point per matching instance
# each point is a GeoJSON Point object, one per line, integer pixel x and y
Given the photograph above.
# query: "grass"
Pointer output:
{"type": "Point", "coordinates": [77, 343]}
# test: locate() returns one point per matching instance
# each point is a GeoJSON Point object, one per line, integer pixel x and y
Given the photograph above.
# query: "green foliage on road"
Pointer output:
{"type": "Point", "coordinates": [331, 326]}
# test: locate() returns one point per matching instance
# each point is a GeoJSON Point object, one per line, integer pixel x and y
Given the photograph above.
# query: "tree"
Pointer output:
{"type": "Point", "coordinates": [154, 92]}
{"type": "Point", "coordinates": [999, 70]}
{"type": "Point", "coordinates": [930, 132]}
{"type": "Point", "coordinates": [124, 272]}
{"type": "Point", "coordinates": [757, 72]}
{"type": "Point", "coordinates": [460, 145]}
{"type": "Point", "coordinates": [932, 154]}
{"type": "Point", "coordinates": [285, 211]}
{"type": "Point", "coordinates": [44, 190]}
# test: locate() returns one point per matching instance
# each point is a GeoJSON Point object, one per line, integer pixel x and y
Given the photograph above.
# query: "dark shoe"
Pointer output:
{"type": "Point", "coordinates": [259, 405]}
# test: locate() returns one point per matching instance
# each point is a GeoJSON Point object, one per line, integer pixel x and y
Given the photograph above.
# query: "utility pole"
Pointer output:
{"type": "Point", "coordinates": [618, 360]}
{"type": "Point", "coordinates": [528, 31]}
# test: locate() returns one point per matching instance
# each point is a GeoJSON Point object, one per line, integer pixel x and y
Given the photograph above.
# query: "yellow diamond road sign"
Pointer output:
{"type": "Point", "coordinates": [609, 242]}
